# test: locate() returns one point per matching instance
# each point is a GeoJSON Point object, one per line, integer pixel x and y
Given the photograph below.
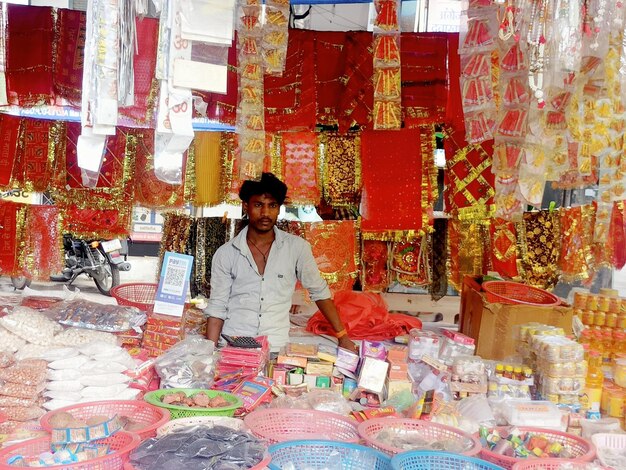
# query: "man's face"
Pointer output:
{"type": "Point", "coordinates": [262, 211]}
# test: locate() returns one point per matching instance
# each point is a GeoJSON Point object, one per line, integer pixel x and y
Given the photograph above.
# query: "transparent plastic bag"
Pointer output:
{"type": "Point", "coordinates": [27, 374]}
{"type": "Point", "coordinates": [95, 316]}
{"type": "Point", "coordinates": [32, 326]}
{"type": "Point", "coordinates": [20, 390]}
{"type": "Point", "coordinates": [189, 364]}
{"type": "Point", "coordinates": [81, 336]}
{"type": "Point", "coordinates": [22, 413]}
{"type": "Point", "coordinates": [6, 360]}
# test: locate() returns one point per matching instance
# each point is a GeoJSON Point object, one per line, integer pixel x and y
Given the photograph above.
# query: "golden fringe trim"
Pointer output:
{"type": "Point", "coordinates": [396, 235]}
{"type": "Point", "coordinates": [475, 213]}
{"type": "Point", "coordinates": [189, 192]}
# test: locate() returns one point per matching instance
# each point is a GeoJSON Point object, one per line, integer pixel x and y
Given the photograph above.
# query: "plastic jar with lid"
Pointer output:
{"type": "Point", "coordinates": [619, 372]}
{"type": "Point", "coordinates": [499, 372]}
{"type": "Point", "coordinates": [616, 403]}
{"type": "Point", "coordinates": [580, 300]}
{"type": "Point", "coordinates": [621, 321]}
{"type": "Point", "coordinates": [508, 371]}
{"type": "Point", "coordinates": [586, 317]}
{"type": "Point", "coordinates": [592, 302]}
{"type": "Point", "coordinates": [603, 303]}
{"type": "Point", "coordinates": [611, 320]}
{"type": "Point", "coordinates": [614, 304]}
{"type": "Point", "coordinates": [599, 318]}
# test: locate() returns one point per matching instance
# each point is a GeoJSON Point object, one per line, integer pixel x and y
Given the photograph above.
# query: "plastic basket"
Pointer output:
{"type": "Point", "coordinates": [315, 455]}
{"type": "Point", "coordinates": [506, 292]}
{"type": "Point", "coordinates": [154, 398]}
{"type": "Point", "coordinates": [551, 464]}
{"type": "Point", "coordinates": [607, 441]}
{"type": "Point", "coordinates": [369, 431]}
{"type": "Point", "coordinates": [135, 294]}
{"type": "Point", "coordinates": [121, 444]}
{"type": "Point", "coordinates": [149, 417]}
{"type": "Point", "coordinates": [279, 425]}
{"type": "Point", "coordinates": [428, 460]}
{"type": "Point", "coordinates": [210, 421]}
{"type": "Point", "coordinates": [582, 449]}
{"type": "Point", "coordinates": [262, 465]}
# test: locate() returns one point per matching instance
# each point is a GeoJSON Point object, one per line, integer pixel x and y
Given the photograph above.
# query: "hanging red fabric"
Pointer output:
{"type": "Point", "coordinates": [71, 32]}
{"type": "Point", "coordinates": [29, 57]}
{"type": "Point", "coordinates": [9, 134]}
{"type": "Point", "coordinates": [365, 316]}
{"type": "Point", "coordinates": [42, 256]}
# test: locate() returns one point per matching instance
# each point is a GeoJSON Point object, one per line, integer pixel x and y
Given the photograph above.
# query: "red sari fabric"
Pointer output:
{"type": "Point", "coordinates": [144, 64]}
{"type": "Point", "coordinates": [424, 77]}
{"type": "Point", "coordinates": [393, 187]}
{"type": "Point", "coordinates": [334, 245]}
{"type": "Point", "coordinates": [29, 58]}
{"type": "Point", "coordinates": [42, 256]}
{"type": "Point", "coordinates": [12, 222]}
{"type": "Point", "coordinates": [330, 65]}
{"type": "Point", "coordinates": [365, 316]}
{"type": "Point", "coordinates": [9, 136]}
{"type": "Point", "coordinates": [290, 98]}
{"type": "Point", "coordinates": [36, 164]}
{"type": "Point", "coordinates": [96, 223]}
{"type": "Point", "coordinates": [149, 190]}
{"type": "Point", "coordinates": [374, 272]}
{"type": "Point", "coordinates": [299, 153]}
{"type": "Point", "coordinates": [71, 32]}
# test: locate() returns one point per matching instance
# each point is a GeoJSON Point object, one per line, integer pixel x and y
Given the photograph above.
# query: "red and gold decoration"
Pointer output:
{"type": "Point", "coordinates": [341, 171]}
{"type": "Point", "coordinates": [70, 33]}
{"type": "Point", "coordinates": [504, 248]}
{"type": "Point", "coordinates": [395, 197]}
{"type": "Point", "coordinates": [42, 255]}
{"type": "Point", "coordinates": [335, 247]}
{"type": "Point", "coordinates": [541, 248]}
{"type": "Point", "coordinates": [299, 152]}
{"type": "Point", "coordinates": [275, 35]}
{"type": "Point", "coordinates": [387, 70]}
{"type": "Point", "coordinates": [576, 235]}
{"type": "Point", "coordinates": [12, 219]}
{"type": "Point", "coordinates": [374, 272]}
{"type": "Point", "coordinates": [467, 250]}
{"type": "Point", "coordinates": [9, 144]}
{"type": "Point", "coordinates": [410, 263]}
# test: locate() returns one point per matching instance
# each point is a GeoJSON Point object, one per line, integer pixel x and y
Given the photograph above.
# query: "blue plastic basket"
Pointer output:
{"type": "Point", "coordinates": [318, 454]}
{"type": "Point", "coordinates": [429, 460]}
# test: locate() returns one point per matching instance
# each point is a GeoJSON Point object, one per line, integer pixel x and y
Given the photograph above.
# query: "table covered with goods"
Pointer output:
{"type": "Point", "coordinates": [90, 386]}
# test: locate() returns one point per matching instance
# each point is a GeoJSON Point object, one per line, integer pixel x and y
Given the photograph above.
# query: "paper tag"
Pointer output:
{"type": "Point", "coordinates": [200, 76]}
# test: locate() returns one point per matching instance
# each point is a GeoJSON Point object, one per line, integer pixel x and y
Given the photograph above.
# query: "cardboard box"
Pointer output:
{"type": "Point", "coordinates": [399, 371]}
{"type": "Point", "coordinates": [397, 386]}
{"type": "Point", "coordinates": [373, 374]}
{"type": "Point", "coordinates": [292, 361]}
{"type": "Point", "coordinates": [492, 325]}
{"type": "Point", "coordinates": [319, 368]}
{"type": "Point", "coordinates": [397, 354]}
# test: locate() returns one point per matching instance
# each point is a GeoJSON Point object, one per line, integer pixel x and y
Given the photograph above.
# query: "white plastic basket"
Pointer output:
{"type": "Point", "coordinates": [608, 441]}
{"type": "Point", "coordinates": [178, 424]}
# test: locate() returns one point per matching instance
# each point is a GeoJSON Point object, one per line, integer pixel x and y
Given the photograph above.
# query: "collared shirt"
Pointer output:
{"type": "Point", "coordinates": [254, 304]}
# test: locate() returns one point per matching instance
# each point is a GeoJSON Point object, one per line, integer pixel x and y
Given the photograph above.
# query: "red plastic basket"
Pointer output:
{"type": "Point", "coordinates": [135, 294]}
{"type": "Point", "coordinates": [148, 416]}
{"type": "Point", "coordinates": [506, 292]}
{"type": "Point", "coordinates": [582, 449]}
{"type": "Point", "coordinates": [552, 464]}
{"type": "Point", "coordinates": [121, 444]}
{"type": "Point", "coordinates": [280, 425]}
{"type": "Point", "coordinates": [369, 431]}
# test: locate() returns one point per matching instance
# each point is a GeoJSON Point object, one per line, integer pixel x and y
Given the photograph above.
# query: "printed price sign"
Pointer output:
{"type": "Point", "coordinates": [173, 284]}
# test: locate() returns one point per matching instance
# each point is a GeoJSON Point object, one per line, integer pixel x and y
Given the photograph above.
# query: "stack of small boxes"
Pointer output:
{"type": "Point", "coordinates": [162, 332]}
{"type": "Point", "coordinates": [398, 379]}
{"type": "Point", "coordinates": [305, 364]}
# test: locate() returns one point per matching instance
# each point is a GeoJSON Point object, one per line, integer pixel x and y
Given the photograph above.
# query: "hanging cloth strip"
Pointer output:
{"type": "Point", "coordinates": [466, 242]}
{"type": "Point", "coordinates": [176, 231]}
{"type": "Point", "coordinates": [504, 251]}
{"type": "Point", "coordinates": [300, 164]}
{"type": "Point", "coordinates": [330, 52]}
{"type": "Point", "coordinates": [29, 57]}
{"type": "Point", "coordinates": [210, 233]}
{"type": "Point", "coordinates": [208, 168]}
{"type": "Point", "coordinates": [541, 248]}
{"type": "Point", "coordinates": [96, 223]}
{"type": "Point", "coordinates": [151, 192]}
{"type": "Point", "coordinates": [335, 248]}
{"type": "Point", "coordinates": [144, 63]}
{"type": "Point", "coordinates": [374, 272]}
{"type": "Point", "coordinates": [424, 77]}
{"type": "Point", "coordinates": [341, 174]}
{"type": "Point", "coordinates": [70, 33]}
{"type": "Point", "coordinates": [290, 98]}
{"type": "Point", "coordinates": [576, 233]}
{"type": "Point", "coordinates": [439, 259]}
{"type": "Point", "coordinates": [9, 142]}
{"type": "Point", "coordinates": [37, 153]}
{"type": "Point", "coordinates": [617, 235]}
{"type": "Point", "coordinates": [12, 220]}
{"type": "Point", "coordinates": [41, 256]}
{"type": "Point", "coordinates": [410, 263]}
{"type": "Point", "coordinates": [395, 192]}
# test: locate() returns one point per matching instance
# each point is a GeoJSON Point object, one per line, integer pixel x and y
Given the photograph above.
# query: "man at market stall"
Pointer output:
{"type": "Point", "coordinates": [253, 276]}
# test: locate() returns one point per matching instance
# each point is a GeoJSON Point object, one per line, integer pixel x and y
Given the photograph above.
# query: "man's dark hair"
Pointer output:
{"type": "Point", "coordinates": [268, 184]}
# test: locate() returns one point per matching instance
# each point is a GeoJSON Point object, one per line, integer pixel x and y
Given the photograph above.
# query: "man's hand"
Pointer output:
{"type": "Point", "coordinates": [346, 343]}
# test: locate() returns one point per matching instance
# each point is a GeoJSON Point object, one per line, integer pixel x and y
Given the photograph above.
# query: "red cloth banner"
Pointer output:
{"type": "Point", "coordinates": [9, 134]}
{"type": "Point", "coordinates": [299, 153]}
{"type": "Point", "coordinates": [29, 57]}
{"type": "Point", "coordinates": [42, 246]}
{"type": "Point", "coordinates": [36, 165]}
{"type": "Point", "coordinates": [392, 204]}
{"type": "Point", "coordinates": [11, 223]}
{"type": "Point", "coordinates": [71, 32]}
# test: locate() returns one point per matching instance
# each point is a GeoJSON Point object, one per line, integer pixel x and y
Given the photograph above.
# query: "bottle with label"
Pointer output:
{"type": "Point", "coordinates": [593, 388]}
{"type": "Point", "coordinates": [517, 373]}
{"type": "Point", "coordinates": [499, 370]}
{"type": "Point", "coordinates": [508, 371]}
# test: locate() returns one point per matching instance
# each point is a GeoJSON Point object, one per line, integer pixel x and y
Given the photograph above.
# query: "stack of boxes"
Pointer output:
{"type": "Point", "coordinates": [164, 331]}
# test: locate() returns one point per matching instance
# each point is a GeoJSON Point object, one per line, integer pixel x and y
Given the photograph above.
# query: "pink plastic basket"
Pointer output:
{"type": "Point", "coordinates": [279, 425]}
{"type": "Point", "coordinates": [369, 431]}
{"type": "Point", "coordinates": [149, 417]}
{"type": "Point", "coordinates": [121, 444]}
{"type": "Point", "coordinates": [551, 464]}
{"type": "Point", "coordinates": [583, 450]}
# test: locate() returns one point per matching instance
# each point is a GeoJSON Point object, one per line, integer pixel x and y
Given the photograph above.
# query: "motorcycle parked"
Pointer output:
{"type": "Point", "coordinates": [101, 260]}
